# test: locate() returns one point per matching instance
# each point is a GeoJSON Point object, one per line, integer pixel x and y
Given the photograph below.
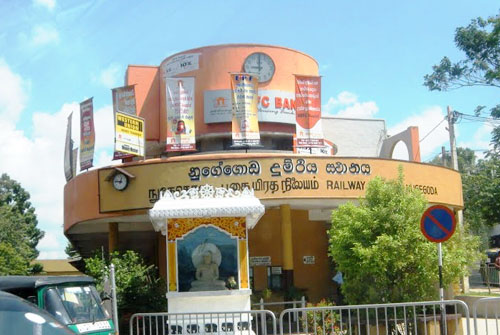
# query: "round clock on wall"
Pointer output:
{"type": "Point", "coordinates": [260, 64]}
{"type": "Point", "coordinates": [120, 181]}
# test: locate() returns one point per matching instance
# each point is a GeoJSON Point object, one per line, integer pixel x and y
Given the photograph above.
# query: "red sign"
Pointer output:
{"type": "Point", "coordinates": [308, 111]}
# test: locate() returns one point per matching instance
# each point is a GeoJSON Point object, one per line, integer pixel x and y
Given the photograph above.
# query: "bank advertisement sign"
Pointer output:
{"type": "Point", "coordinates": [129, 134]}
{"type": "Point", "coordinates": [272, 105]}
{"type": "Point", "coordinates": [87, 134]}
{"type": "Point", "coordinates": [180, 64]}
{"type": "Point", "coordinates": [245, 120]}
{"type": "Point", "coordinates": [308, 111]}
{"type": "Point", "coordinates": [180, 114]}
{"type": "Point", "coordinates": [124, 100]}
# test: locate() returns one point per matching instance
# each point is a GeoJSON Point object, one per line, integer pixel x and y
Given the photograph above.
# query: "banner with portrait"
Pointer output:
{"type": "Point", "coordinates": [68, 150]}
{"type": "Point", "coordinates": [87, 134]}
{"type": "Point", "coordinates": [180, 114]}
{"type": "Point", "coordinates": [245, 120]}
{"type": "Point", "coordinates": [308, 112]}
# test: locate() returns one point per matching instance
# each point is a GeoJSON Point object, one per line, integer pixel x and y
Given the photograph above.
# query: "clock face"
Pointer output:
{"type": "Point", "coordinates": [120, 181]}
{"type": "Point", "coordinates": [260, 64]}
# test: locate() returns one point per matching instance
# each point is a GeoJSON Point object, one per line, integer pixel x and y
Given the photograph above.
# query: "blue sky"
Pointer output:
{"type": "Point", "coordinates": [372, 55]}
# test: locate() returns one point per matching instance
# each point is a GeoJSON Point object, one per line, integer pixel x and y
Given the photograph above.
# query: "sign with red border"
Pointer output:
{"type": "Point", "coordinates": [438, 223]}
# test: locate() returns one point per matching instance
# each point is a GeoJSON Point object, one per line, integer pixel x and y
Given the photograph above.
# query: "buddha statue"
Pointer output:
{"type": "Point", "coordinates": [207, 273]}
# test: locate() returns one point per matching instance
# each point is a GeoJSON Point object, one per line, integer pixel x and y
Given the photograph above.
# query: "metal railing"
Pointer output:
{"type": "Point", "coordinates": [255, 322]}
{"type": "Point", "coordinates": [486, 312]}
{"type": "Point", "coordinates": [485, 276]}
{"type": "Point", "coordinates": [395, 319]}
{"type": "Point", "coordinates": [281, 305]}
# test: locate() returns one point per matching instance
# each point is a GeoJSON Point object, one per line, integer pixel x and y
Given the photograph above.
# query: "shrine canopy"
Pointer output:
{"type": "Point", "coordinates": [206, 201]}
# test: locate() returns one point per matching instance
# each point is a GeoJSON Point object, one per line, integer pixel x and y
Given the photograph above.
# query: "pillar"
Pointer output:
{"type": "Point", "coordinates": [112, 236]}
{"type": "Point", "coordinates": [287, 246]}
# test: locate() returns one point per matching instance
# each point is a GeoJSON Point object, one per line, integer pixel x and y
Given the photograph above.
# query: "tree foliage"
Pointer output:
{"type": "Point", "coordinates": [19, 234]}
{"type": "Point", "coordinates": [138, 289]}
{"type": "Point", "coordinates": [384, 257]}
{"type": "Point", "coordinates": [480, 41]}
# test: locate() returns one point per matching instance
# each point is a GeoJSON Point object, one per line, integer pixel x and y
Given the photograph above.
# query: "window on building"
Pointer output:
{"type": "Point", "coordinates": [274, 277]}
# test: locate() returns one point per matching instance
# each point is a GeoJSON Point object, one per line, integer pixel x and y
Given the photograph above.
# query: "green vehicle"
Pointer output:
{"type": "Point", "coordinates": [72, 300]}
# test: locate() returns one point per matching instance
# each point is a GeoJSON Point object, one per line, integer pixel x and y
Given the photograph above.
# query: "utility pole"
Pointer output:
{"type": "Point", "coordinates": [453, 145]}
{"type": "Point", "coordinates": [454, 165]}
{"type": "Point", "coordinates": [443, 156]}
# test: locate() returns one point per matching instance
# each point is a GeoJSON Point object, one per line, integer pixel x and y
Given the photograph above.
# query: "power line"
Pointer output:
{"type": "Point", "coordinates": [423, 138]}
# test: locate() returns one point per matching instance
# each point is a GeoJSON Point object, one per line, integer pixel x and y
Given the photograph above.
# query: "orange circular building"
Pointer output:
{"type": "Point", "coordinates": [288, 246]}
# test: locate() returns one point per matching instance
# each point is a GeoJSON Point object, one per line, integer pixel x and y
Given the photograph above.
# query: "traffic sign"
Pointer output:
{"type": "Point", "coordinates": [438, 223]}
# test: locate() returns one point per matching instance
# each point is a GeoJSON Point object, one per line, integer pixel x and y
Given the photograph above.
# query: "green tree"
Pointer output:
{"type": "Point", "coordinates": [19, 234]}
{"type": "Point", "coordinates": [137, 284]}
{"type": "Point", "coordinates": [466, 160]}
{"type": "Point", "coordinates": [71, 251]}
{"type": "Point", "coordinates": [480, 41]}
{"type": "Point", "coordinates": [384, 257]}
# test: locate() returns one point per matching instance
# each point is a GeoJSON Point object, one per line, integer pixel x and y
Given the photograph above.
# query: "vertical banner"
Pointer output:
{"type": "Point", "coordinates": [308, 112]}
{"type": "Point", "coordinates": [245, 120]}
{"type": "Point", "coordinates": [87, 134]}
{"type": "Point", "coordinates": [68, 150]}
{"type": "Point", "coordinates": [74, 159]}
{"type": "Point", "coordinates": [123, 102]}
{"type": "Point", "coordinates": [129, 134]}
{"type": "Point", "coordinates": [180, 114]}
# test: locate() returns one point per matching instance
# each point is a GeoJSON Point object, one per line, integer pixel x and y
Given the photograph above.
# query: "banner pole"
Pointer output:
{"type": "Point", "coordinates": [441, 289]}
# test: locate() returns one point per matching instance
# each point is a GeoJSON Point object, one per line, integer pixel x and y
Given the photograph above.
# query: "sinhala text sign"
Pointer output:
{"type": "Point", "coordinates": [271, 177]}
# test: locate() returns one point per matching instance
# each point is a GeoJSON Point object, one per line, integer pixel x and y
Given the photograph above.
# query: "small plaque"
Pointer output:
{"type": "Point", "coordinates": [260, 261]}
{"type": "Point", "coordinates": [309, 260]}
{"type": "Point", "coordinates": [276, 270]}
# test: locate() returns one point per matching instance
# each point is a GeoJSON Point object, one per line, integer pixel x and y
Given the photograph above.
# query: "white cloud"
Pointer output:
{"type": "Point", "coordinates": [346, 104]}
{"type": "Point", "coordinates": [426, 121]}
{"type": "Point", "coordinates": [110, 76]}
{"type": "Point", "coordinates": [49, 4]}
{"type": "Point", "coordinates": [12, 94]}
{"type": "Point", "coordinates": [37, 161]}
{"type": "Point", "coordinates": [480, 141]}
{"type": "Point", "coordinates": [44, 34]}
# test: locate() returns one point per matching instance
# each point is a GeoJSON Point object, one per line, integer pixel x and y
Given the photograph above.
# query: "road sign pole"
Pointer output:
{"type": "Point", "coordinates": [440, 264]}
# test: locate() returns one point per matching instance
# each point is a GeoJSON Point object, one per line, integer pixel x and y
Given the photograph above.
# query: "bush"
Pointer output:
{"type": "Point", "coordinates": [138, 288]}
{"type": "Point", "coordinates": [383, 255]}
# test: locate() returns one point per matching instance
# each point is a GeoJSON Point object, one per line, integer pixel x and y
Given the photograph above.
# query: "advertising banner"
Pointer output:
{"type": "Point", "coordinates": [68, 150]}
{"type": "Point", "coordinates": [87, 134]}
{"type": "Point", "coordinates": [245, 120]}
{"type": "Point", "coordinates": [180, 64]}
{"type": "Point", "coordinates": [124, 100]}
{"type": "Point", "coordinates": [129, 134]}
{"type": "Point", "coordinates": [308, 111]}
{"type": "Point", "coordinates": [273, 106]}
{"type": "Point", "coordinates": [180, 114]}
{"type": "Point", "coordinates": [74, 159]}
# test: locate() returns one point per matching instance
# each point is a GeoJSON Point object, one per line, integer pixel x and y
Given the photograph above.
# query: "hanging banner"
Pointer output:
{"type": "Point", "coordinates": [124, 100]}
{"type": "Point", "coordinates": [74, 159]}
{"type": "Point", "coordinates": [68, 150]}
{"type": "Point", "coordinates": [87, 134]}
{"type": "Point", "coordinates": [180, 64]}
{"type": "Point", "coordinates": [245, 120]}
{"type": "Point", "coordinates": [308, 112]}
{"type": "Point", "coordinates": [180, 114]}
{"type": "Point", "coordinates": [129, 134]}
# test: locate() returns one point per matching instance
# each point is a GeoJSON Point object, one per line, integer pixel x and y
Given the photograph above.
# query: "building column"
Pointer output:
{"type": "Point", "coordinates": [112, 236]}
{"type": "Point", "coordinates": [287, 246]}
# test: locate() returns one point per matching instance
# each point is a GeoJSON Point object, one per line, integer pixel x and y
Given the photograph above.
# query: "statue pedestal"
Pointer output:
{"type": "Point", "coordinates": [209, 301]}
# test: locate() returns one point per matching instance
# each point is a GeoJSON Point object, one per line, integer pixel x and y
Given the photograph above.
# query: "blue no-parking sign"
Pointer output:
{"type": "Point", "coordinates": [438, 223]}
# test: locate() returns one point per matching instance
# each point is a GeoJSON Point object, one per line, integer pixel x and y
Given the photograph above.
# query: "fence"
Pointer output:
{"type": "Point", "coordinates": [254, 322]}
{"type": "Point", "coordinates": [394, 319]}
{"type": "Point", "coordinates": [281, 305]}
{"type": "Point", "coordinates": [486, 276]}
{"type": "Point", "coordinates": [486, 312]}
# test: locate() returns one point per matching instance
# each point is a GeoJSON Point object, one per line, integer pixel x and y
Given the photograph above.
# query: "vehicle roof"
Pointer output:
{"type": "Point", "coordinates": [16, 282]}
